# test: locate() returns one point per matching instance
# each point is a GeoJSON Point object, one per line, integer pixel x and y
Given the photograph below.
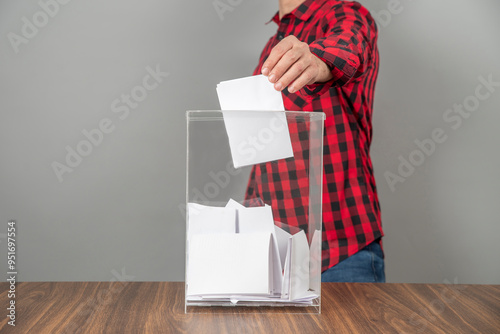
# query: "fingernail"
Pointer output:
{"type": "Point", "coordinates": [291, 89]}
{"type": "Point", "coordinates": [278, 86]}
{"type": "Point", "coordinates": [265, 71]}
{"type": "Point", "coordinates": [272, 77]}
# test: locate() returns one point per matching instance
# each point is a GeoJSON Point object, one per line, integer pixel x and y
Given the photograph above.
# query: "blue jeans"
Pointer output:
{"type": "Point", "coordinates": [367, 265]}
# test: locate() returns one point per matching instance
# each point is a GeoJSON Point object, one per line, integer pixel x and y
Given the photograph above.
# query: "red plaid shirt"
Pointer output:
{"type": "Point", "coordinates": [344, 36]}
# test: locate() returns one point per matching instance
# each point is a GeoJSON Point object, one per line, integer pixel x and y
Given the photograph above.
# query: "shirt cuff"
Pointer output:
{"type": "Point", "coordinates": [319, 88]}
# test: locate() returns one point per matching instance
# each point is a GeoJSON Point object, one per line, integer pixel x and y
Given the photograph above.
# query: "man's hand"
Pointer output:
{"type": "Point", "coordinates": [291, 64]}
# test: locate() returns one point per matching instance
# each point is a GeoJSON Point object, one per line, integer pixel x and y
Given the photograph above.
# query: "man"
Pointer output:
{"type": "Point", "coordinates": [324, 57]}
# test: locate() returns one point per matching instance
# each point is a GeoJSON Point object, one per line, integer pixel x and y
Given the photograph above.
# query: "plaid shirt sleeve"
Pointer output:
{"type": "Point", "coordinates": [344, 35]}
{"type": "Point", "coordinates": [346, 46]}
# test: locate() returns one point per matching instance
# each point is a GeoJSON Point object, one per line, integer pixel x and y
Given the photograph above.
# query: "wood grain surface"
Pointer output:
{"type": "Point", "coordinates": [158, 307]}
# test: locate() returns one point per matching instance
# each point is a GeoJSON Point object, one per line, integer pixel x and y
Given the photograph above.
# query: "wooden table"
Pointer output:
{"type": "Point", "coordinates": [158, 307]}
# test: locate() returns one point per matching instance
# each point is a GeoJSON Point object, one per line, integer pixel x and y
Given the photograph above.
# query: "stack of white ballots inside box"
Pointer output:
{"type": "Point", "coordinates": [238, 254]}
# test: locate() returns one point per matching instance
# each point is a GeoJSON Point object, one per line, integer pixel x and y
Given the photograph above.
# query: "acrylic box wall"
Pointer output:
{"type": "Point", "coordinates": [290, 188]}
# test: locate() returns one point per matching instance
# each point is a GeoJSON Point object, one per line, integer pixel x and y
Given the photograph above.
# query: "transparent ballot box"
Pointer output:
{"type": "Point", "coordinates": [253, 211]}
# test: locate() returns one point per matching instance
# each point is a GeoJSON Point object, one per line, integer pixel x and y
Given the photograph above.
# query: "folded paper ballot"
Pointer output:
{"type": "Point", "coordinates": [254, 137]}
{"type": "Point", "coordinates": [260, 219]}
{"type": "Point", "coordinates": [296, 275]}
{"type": "Point", "coordinates": [237, 254]}
{"type": "Point", "coordinates": [222, 263]}
{"type": "Point", "coordinates": [208, 219]}
{"type": "Point", "coordinates": [282, 237]}
{"type": "Point", "coordinates": [249, 93]}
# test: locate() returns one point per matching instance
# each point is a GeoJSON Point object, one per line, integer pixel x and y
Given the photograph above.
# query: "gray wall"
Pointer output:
{"type": "Point", "coordinates": [117, 212]}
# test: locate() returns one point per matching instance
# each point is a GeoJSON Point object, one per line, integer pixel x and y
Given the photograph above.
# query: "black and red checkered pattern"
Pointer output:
{"type": "Point", "coordinates": [344, 35]}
